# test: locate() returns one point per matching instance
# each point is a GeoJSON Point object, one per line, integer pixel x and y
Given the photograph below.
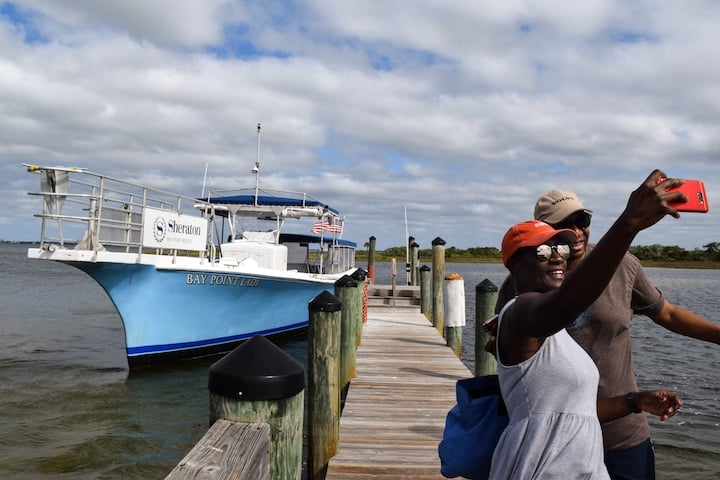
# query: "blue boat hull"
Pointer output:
{"type": "Point", "coordinates": [171, 314]}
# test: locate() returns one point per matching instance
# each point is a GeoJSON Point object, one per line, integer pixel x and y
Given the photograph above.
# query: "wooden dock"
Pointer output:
{"type": "Point", "coordinates": [394, 413]}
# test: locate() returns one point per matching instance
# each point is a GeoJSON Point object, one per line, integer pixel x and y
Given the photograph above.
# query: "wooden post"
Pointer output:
{"type": "Point", "coordinates": [393, 277]}
{"type": "Point", "coordinates": [438, 268]}
{"type": "Point", "coordinates": [414, 253]}
{"type": "Point", "coordinates": [455, 312]}
{"type": "Point", "coordinates": [346, 292]}
{"type": "Point", "coordinates": [360, 276]}
{"type": "Point", "coordinates": [425, 292]}
{"type": "Point", "coordinates": [486, 294]}
{"type": "Point", "coordinates": [408, 260]}
{"type": "Point", "coordinates": [259, 383]}
{"type": "Point", "coordinates": [323, 383]}
{"type": "Point", "coordinates": [371, 260]}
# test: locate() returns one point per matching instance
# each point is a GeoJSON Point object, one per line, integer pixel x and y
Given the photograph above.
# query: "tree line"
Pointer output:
{"type": "Point", "coordinates": [649, 253]}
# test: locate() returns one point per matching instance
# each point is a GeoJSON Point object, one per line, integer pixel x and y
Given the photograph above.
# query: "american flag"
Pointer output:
{"type": "Point", "coordinates": [323, 226]}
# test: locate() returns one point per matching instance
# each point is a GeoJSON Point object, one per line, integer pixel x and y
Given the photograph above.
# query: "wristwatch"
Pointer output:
{"type": "Point", "coordinates": [630, 400]}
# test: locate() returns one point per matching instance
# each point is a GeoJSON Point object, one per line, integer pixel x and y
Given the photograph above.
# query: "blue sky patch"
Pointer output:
{"type": "Point", "coordinates": [238, 45]}
{"type": "Point", "coordinates": [23, 21]}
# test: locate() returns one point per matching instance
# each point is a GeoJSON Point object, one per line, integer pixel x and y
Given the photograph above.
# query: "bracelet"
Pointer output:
{"type": "Point", "coordinates": [632, 406]}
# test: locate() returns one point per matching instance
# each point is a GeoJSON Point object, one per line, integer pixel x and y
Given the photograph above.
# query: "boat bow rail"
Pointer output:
{"type": "Point", "coordinates": [86, 211]}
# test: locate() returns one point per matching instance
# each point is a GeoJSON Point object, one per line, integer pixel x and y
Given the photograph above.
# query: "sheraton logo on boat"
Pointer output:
{"type": "Point", "coordinates": [159, 229]}
{"type": "Point", "coordinates": [164, 229]}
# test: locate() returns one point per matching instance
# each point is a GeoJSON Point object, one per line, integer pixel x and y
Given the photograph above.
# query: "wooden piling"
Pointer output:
{"type": "Point", "coordinates": [371, 259]}
{"type": "Point", "coordinates": [486, 293]}
{"type": "Point", "coordinates": [346, 292]}
{"type": "Point", "coordinates": [414, 260]}
{"type": "Point", "coordinates": [426, 292]}
{"type": "Point", "coordinates": [393, 276]}
{"type": "Point", "coordinates": [438, 268]}
{"type": "Point", "coordinates": [455, 312]}
{"type": "Point", "coordinates": [360, 276]}
{"type": "Point", "coordinates": [408, 260]}
{"type": "Point", "coordinates": [260, 383]}
{"type": "Point", "coordinates": [323, 383]}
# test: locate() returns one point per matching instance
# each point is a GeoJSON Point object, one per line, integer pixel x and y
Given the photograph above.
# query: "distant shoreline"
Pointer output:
{"type": "Point", "coordinates": [382, 258]}
{"type": "Point", "coordinates": [645, 263]}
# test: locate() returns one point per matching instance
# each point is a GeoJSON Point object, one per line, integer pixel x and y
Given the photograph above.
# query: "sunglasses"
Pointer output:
{"type": "Point", "coordinates": [544, 252]}
{"type": "Point", "coordinates": [580, 220]}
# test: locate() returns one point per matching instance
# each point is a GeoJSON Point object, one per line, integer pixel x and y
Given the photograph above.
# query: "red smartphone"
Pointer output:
{"type": "Point", "coordinates": [697, 198]}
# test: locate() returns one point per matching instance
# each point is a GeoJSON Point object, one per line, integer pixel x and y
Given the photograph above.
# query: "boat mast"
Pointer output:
{"type": "Point", "coordinates": [256, 168]}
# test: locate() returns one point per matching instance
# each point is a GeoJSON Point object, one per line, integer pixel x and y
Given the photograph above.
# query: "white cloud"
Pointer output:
{"type": "Point", "coordinates": [461, 112]}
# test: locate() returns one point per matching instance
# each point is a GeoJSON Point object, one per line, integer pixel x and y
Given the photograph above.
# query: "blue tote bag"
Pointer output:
{"type": "Point", "coordinates": [473, 428]}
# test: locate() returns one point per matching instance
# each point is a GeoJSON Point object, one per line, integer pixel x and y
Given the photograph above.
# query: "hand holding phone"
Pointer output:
{"type": "Point", "coordinates": [694, 190]}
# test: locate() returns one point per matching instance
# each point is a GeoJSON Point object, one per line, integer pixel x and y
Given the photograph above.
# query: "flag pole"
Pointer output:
{"type": "Point", "coordinates": [256, 168]}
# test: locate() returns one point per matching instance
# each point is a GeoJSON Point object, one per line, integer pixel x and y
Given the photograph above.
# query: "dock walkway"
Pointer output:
{"type": "Point", "coordinates": [394, 413]}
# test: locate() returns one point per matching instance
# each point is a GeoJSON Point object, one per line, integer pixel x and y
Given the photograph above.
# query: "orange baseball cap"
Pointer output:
{"type": "Point", "coordinates": [530, 234]}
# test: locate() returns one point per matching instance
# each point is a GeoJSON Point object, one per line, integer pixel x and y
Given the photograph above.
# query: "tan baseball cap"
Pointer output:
{"type": "Point", "coordinates": [557, 204]}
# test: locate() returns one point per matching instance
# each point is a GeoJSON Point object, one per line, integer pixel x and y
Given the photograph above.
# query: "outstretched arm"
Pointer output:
{"type": "Point", "coordinates": [685, 322]}
{"type": "Point", "coordinates": [662, 403]}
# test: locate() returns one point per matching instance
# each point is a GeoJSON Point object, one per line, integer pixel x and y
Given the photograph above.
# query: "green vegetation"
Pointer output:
{"type": "Point", "coordinates": [650, 255]}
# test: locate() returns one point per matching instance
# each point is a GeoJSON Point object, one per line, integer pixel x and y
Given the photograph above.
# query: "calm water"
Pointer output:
{"type": "Point", "coordinates": [69, 408]}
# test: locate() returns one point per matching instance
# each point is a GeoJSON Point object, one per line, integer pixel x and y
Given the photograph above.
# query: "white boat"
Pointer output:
{"type": "Point", "coordinates": [179, 289]}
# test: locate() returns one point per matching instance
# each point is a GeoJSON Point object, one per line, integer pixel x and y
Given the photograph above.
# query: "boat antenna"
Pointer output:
{"type": "Point", "coordinates": [202, 195]}
{"type": "Point", "coordinates": [256, 168]}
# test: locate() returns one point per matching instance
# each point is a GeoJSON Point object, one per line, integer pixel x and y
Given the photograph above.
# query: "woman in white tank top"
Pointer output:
{"type": "Point", "coordinates": [548, 381]}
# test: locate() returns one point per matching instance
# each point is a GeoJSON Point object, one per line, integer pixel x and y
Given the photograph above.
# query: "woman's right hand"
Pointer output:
{"type": "Point", "coordinates": [650, 202]}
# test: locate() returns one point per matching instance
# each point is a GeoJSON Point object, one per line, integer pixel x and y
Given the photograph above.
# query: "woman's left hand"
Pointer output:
{"type": "Point", "coordinates": [662, 403]}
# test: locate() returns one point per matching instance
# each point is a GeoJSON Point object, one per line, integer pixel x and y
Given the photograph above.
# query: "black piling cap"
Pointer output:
{"type": "Point", "coordinates": [486, 286]}
{"type": "Point", "coordinates": [359, 275]}
{"type": "Point", "coordinates": [325, 302]}
{"type": "Point", "coordinates": [346, 281]}
{"type": "Point", "coordinates": [257, 370]}
{"type": "Point", "coordinates": [425, 268]}
{"type": "Point", "coordinates": [438, 241]}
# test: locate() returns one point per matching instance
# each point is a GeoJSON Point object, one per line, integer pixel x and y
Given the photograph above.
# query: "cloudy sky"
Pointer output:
{"type": "Point", "coordinates": [461, 113]}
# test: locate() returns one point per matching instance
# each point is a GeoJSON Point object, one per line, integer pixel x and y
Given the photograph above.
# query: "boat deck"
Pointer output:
{"type": "Point", "coordinates": [395, 410]}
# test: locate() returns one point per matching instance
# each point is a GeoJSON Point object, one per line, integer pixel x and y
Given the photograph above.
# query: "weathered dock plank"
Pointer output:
{"type": "Point", "coordinates": [395, 410]}
{"type": "Point", "coordinates": [228, 450]}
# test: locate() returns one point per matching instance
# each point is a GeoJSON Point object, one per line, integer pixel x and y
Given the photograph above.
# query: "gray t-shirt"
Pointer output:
{"type": "Point", "coordinates": [606, 337]}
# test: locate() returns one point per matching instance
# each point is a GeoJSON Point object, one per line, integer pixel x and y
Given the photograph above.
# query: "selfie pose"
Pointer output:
{"type": "Point", "coordinates": [548, 381]}
{"type": "Point", "coordinates": [603, 330]}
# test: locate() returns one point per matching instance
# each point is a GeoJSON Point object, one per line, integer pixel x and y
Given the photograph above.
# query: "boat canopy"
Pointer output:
{"type": "Point", "coordinates": [268, 206]}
